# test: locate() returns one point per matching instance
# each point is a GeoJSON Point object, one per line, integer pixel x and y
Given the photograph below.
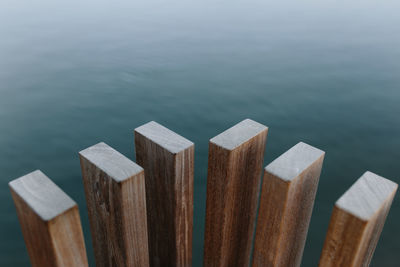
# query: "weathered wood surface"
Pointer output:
{"type": "Point", "coordinates": [357, 222]}
{"type": "Point", "coordinates": [234, 174]}
{"type": "Point", "coordinates": [115, 196]}
{"type": "Point", "coordinates": [287, 198]}
{"type": "Point", "coordinates": [50, 222]}
{"type": "Point", "coordinates": [168, 161]}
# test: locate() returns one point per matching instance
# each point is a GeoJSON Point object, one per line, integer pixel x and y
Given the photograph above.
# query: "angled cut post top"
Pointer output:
{"type": "Point", "coordinates": [238, 134]}
{"type": "Point", "coordinates": [366, 196]}
{"type": "Point", "coordinates": [294, 161]}
{"type": "Point", "coordinates": [111, 162]}
{"type": "Point", "coordinates": [43, 196]}
{"type": "Point", "coordinates": [164, 137]}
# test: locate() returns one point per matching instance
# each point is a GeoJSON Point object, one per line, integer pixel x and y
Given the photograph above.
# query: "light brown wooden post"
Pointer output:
{"type": "Point", "coordinates": [287, 199]}
{"type": "Point", "coordinates": [168, 160]}
{"type": "Point", "coordinates": [115, 196]}
{"type": "Point", "coordinates": [357, 222]}
{"type": "Point", "coordinates": [234, 173]}
{"type": "Point", "coordinates": [50, 222]}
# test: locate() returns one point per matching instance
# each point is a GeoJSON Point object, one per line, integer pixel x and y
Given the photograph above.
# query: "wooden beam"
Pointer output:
{"type": "Point", "coordinates": [287, 199]}
{"type": "Point", "coordinates": [357, 222]}
{"type": "Point", "coordinates": [234, 174]}
{"type": "Point", "coordinates": [168, 160]}
{"type": "Point", "coordinates": [115, 196]}
{"type": "Point", "coordinates": [50, 222]}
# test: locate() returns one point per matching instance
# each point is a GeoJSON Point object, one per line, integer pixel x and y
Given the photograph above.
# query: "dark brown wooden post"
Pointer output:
{"type": "Point", "coordinates": [234, 173]}
{"type": "Point", "coordinates": [287, 198]}
{"type": "Point", "coordinates": [168, 160]}
{"type": "Point", "coordinates": [50, 222]}
{"type": "Point", "coordinates": [357, 222]}
{"type": "Point", "coordinates": [115, 196]}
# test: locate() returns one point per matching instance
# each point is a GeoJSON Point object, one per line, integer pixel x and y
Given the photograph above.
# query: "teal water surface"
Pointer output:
{"type": "Point", "coordinates": [74, 73]}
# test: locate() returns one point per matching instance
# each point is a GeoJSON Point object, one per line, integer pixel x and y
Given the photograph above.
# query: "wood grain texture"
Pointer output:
{"type": "Point", "coordinates": [357, 221]}
{"type": "Point", "coordinates": [50, 222]}
{"type": "Point", "coordinates": [168, 161]}
{"type": "Point", "coordinates": [115, 196]}
{"type": "Point", "coordinates": [234, 174]}
{"type": "Point", "coordinates": [287, 198]}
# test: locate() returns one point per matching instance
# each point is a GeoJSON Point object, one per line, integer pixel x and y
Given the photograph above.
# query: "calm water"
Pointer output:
{"type": "Point", "coordinates": [74, 74]}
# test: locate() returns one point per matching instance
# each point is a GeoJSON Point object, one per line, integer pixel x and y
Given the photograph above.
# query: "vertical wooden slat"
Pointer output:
{"type": "Point", "coordinates": [234, 173]}
{"type": "Point", "coordinates": [50, 222]}
{"type": "Point", "coordinates": [287, 198]}
{"type": "Point", "coordinates": [357, 222]}
{"type": "Point", "coordinates": [115, 196]}
{"type": "Point", "coordinates": [168, 160]}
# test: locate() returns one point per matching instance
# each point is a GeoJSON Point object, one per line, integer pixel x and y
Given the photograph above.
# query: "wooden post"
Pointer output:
{"type": "Point", "coordinates": [357, 221]}
{"type": "Point", "coordinates": [115, 196]}
{"type": "Point", "coordinates": [287, 199]}
{"type": "Point", "coordinates": [50, 222]}
{"type": "Point", "coordinates": [168, 160]}
{"type": "Point", "coordinates": [234, 173]}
